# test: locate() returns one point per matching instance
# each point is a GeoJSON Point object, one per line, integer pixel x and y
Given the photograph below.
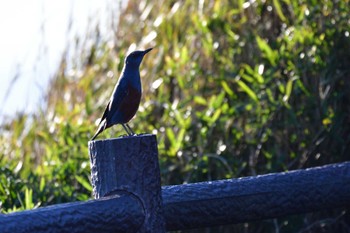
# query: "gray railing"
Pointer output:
{"type": "Point", "coordinates": [129, 198]}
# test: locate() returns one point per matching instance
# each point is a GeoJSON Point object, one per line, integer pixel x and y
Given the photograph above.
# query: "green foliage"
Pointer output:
{"type": "Point", "coordinates": [231, 89]}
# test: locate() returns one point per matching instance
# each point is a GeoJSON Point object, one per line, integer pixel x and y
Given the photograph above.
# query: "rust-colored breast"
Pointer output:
{"type": "Point", "coordinates": [130, 104]}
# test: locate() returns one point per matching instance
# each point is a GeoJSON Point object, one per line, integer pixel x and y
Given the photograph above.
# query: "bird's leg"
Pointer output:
{"type": "Point", "coordinates": [132, 132]}
{"type": "Point", "coordinates": [127, 130]}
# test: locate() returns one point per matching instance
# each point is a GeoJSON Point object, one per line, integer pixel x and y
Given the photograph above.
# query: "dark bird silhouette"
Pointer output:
{"type": "Point", "coordinates": [126, 96]}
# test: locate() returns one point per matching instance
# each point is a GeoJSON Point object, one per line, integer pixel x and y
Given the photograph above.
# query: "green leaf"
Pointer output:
{"type": "Point", "coordinates": [289, 87]}
{"type": "Point", "coordinates": [200, 100]}
{"type": "Point", "coordinates": [268, 53]}
{"type": "Point", "coordinates": [278, 8]}
{"type": "Point", "coordinates": [84, 182]}
{"type": "Point", "coordinates": [247, 90]}
{"type": "Point", "coordinates": [218, 100]}
{"type": "Point", "coordinates": [42, 184]}
{"type": "Point", "coordinates": [180, 137]}
{"type": "Point", "coordinates": [216, 115]}
{"type": "Point", "coordinates": [28, 199]}
{"type": "Point", "coordinates": [180, 118]}
{"type": "Point", "coordinates": [227, 89]}
{"type": "Point", "coordinates": [171, 136]}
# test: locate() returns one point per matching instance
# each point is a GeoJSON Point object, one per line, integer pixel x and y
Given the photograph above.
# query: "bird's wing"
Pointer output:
{"type": "Point", "coordinates": [101, 126]}
{"type": "Point", "coordinates": [113, 104]}
{"type": "Point", "coordinates": [105, 113]}
{"type": "Point", "coordinates": [118, 96]}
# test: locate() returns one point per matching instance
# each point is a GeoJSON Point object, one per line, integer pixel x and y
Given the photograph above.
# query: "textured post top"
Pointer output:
{"type": "Point", "coordinates": [121, 163]}
{"type": "Point", "coordinates": [129, 164]}
{"type": "Point", "coordinates": [125, 137]}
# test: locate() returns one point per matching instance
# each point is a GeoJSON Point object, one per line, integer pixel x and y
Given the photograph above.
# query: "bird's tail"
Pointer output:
{"type": "Point", "coordinates": [100, 129]}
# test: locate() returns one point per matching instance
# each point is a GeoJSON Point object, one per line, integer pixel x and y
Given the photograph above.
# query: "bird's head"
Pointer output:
{"type": "Point", "coordinates": [136, 57]}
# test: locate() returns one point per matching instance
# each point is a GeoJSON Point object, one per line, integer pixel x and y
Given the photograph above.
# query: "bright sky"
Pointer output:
{"type": "Point", "coordinates": [34, 36]}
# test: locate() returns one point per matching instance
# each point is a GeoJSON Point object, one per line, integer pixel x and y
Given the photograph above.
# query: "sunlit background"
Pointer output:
{"type": "Point", "coordinates": [35, 36]}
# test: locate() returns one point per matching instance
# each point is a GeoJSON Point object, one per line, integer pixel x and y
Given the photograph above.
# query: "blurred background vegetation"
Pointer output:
{"type": "Point", "coordinates": [232, 89]}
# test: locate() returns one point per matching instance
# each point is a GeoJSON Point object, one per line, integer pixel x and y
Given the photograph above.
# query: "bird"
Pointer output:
{"type": "Point", "coordinates": [126, 96]}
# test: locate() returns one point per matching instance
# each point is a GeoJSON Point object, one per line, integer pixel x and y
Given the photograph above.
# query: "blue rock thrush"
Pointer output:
{"type": "Point", "coordinates": [126, 96]}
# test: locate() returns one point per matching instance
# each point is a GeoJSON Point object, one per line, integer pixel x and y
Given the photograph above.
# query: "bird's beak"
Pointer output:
{"type": "Point", "coordinates": [147, 50]}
